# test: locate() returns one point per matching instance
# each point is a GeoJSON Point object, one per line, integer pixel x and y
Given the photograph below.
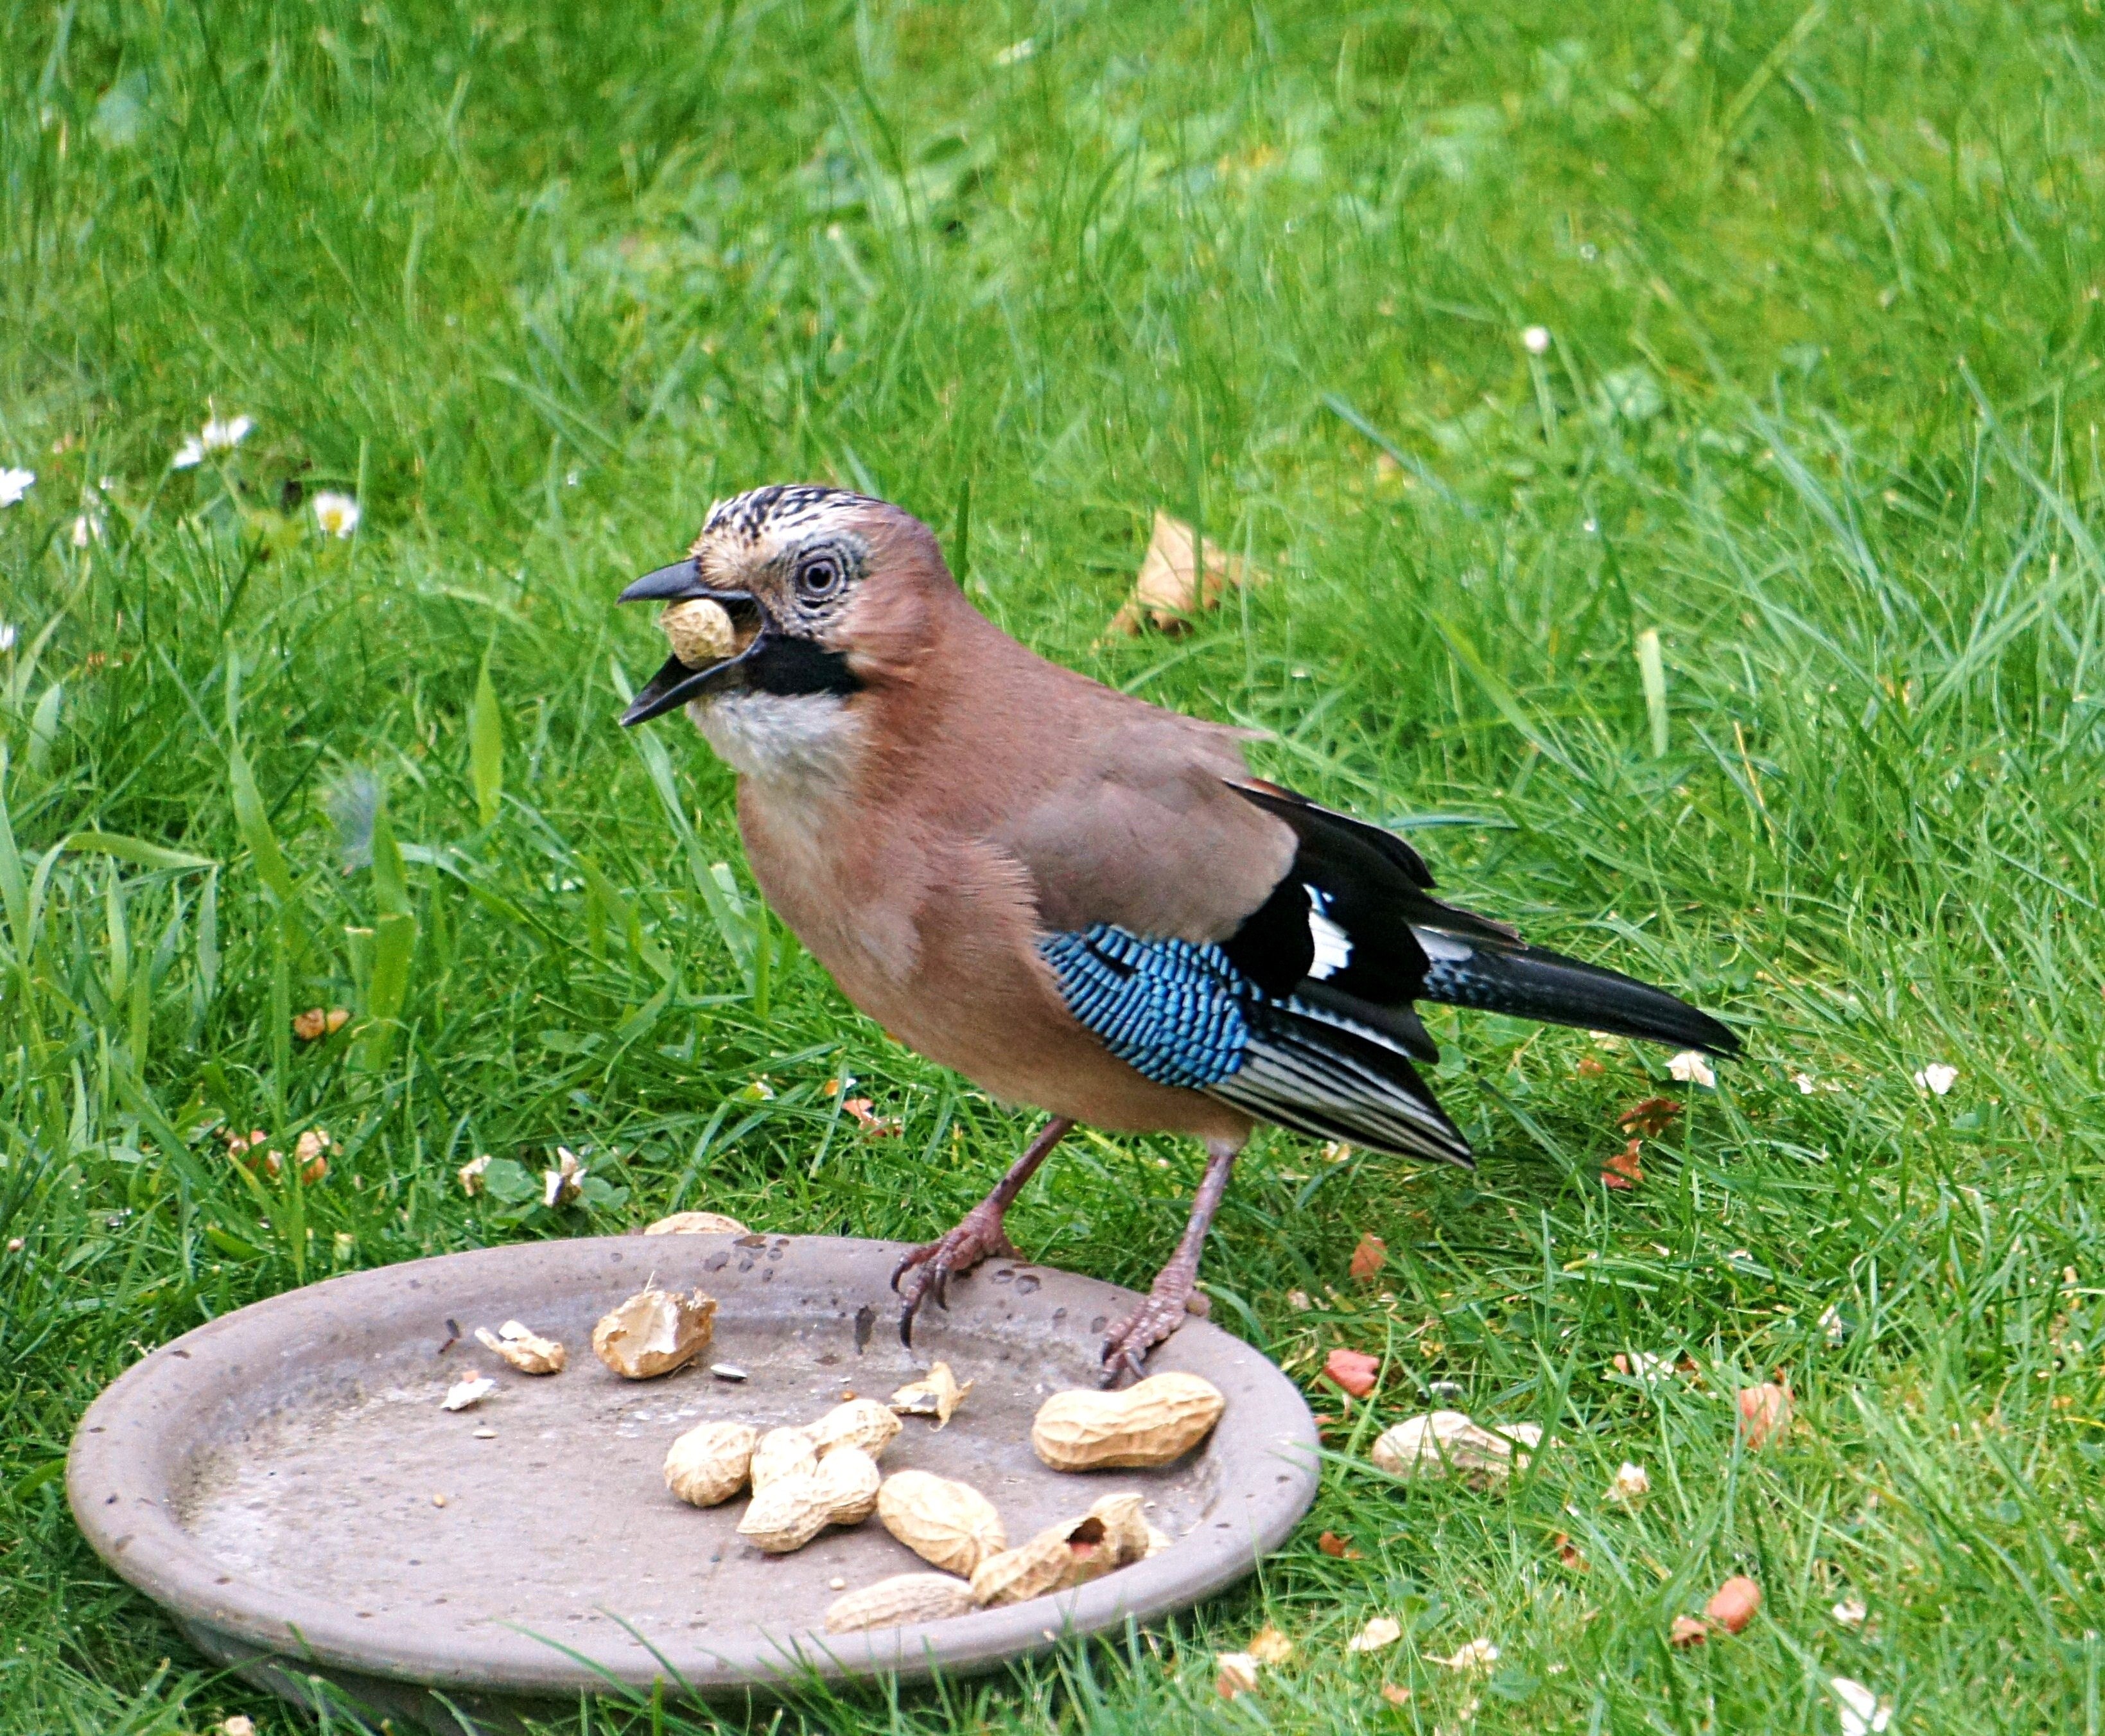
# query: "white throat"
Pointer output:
{"type": "Point", "coordinates": [809, 742]}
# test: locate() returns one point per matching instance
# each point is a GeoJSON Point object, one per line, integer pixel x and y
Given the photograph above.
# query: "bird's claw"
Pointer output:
{"type": "Point", "coordinates": [927, 1269]}
{"type": "Point", "coordinates": [1127, 1345]}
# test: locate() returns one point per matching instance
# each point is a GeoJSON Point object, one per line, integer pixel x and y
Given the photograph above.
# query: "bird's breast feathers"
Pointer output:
{"type": "Point", "coordinates": [809, 742]}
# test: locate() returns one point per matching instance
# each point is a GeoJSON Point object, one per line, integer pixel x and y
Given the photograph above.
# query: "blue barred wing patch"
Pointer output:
{"type": "Point", "coordinates": [1171, 1010]}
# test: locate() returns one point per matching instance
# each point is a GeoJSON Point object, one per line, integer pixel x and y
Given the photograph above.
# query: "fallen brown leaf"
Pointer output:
{"type": "Point", "coordinates": [1169, 588]}
{"type": "Point", "coordinates": [884, 1126]}
{"type": "Point", "coordinates": [1394, 1695]}
{"type": "Point", "coordinates": [1568, 1553]}
{"type": "Point", "coordinates": [1651, 1118]}
{"type": "Point", "coordinates": [1688, 1630]}
{"type": "Point", "coordinates": [310, 1026]}
{"type": "Point", "coordinates": [1336, 1547]}
{"type": "Point", "coordinates": [1369, 1257]}
{"type": "Point", "coordinates": [1270, 1646]}
{"type": "Point", "coordinates": [1623, 1172]}
{"type": "Point", "coordinates": [1589, 1067]}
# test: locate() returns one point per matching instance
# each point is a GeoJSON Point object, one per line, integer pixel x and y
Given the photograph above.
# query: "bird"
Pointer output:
{"type": "Point", "coordinates": [1082, 903]}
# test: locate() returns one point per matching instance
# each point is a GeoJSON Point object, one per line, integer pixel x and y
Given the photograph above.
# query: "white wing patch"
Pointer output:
{"type": "Point", "coordinates": [1443, 948]}
{"type": "Point", "coordinates": [1333, 945]}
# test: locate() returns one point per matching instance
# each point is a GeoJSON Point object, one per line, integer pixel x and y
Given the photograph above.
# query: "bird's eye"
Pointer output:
{"type": "Point", "coordinates": [819, 578]}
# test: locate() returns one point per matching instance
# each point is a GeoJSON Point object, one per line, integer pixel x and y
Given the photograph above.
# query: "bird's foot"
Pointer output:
{"type": "Point", "coordinates": [1126, 1347]}
{"type": "Point", "coordinates": [928, 1269]}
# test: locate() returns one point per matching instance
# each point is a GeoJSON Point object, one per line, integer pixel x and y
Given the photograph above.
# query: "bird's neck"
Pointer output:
{"type": "Point", "coordinates": [805, 746]}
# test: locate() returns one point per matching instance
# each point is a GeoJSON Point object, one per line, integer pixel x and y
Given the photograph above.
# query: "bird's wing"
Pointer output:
{"type": "Point", "coordinates": [1184, 1014]}
{"type": "Point", "coordinates": [1372, 889]}
{"type": "Point", "coordinates": [1143, 829]}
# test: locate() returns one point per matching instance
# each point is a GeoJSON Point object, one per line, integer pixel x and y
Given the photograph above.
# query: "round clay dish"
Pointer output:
{"type": "Point", "coordinates": [284, 1481]}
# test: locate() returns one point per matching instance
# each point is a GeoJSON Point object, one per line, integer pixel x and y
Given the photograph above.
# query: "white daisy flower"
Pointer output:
{"type": "Point", "coordinates": [223, 436]}
{"type": "Point", "coordinates": [1690, 1067]}
{"type": "Point", "coordinates": [13, 484]}
{"type": "Point", "coordinates": [337, 514]}
{"type": "Point", "coordinates": [215, 436]}
{"type": "Point", "coordinates": [1534, 339]}
{"type": "Point", "coordinates": [1936, 1078]}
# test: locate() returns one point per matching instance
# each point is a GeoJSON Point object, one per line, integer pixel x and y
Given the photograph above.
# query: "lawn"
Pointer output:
{"type": "Point", "coordinates": [1814, 412]}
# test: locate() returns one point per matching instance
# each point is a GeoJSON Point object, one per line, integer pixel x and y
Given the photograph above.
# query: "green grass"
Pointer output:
{"type": "Point", "coordinates": [1821, 410]}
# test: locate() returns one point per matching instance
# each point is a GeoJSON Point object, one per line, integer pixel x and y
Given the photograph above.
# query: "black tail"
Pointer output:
{"type": "Point", "coordinates": [1531, 983]}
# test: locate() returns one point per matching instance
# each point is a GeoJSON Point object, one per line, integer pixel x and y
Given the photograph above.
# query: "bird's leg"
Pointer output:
{"type": "Point", "coordinates": [1170, 1296]}
{"type": "Point", "coordinates": [979, 1233]}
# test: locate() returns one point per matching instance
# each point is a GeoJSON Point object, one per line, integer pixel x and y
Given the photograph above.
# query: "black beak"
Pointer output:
{"type": "Point", "coordinates": [673, 584]}
{"type": "Point", "coordinates": [675, 684]}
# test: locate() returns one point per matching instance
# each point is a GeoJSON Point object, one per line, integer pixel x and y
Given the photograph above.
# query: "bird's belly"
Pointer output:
{"type": "Point", "coordinates": [937, 947]}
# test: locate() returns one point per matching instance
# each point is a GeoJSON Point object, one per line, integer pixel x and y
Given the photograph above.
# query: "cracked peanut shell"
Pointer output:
{"type": "Point", "coordinates": [653, 1332]}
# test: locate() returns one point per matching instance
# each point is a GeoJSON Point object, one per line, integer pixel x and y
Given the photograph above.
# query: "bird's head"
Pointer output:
{"type": "Point", "coordinates": [825, 592]}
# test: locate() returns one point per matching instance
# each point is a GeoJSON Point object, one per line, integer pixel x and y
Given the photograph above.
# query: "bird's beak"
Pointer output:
{"type": "Point", "coordinates": [675, 684]}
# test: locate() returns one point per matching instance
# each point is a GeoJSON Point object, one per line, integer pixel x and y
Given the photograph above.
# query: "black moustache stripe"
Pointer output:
{"type": "Point", "coordinates": [791, 667]}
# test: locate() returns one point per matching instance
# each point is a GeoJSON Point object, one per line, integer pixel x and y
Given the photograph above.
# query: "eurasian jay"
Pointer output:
{"type": "Point", "coordinates": [1077, 900]}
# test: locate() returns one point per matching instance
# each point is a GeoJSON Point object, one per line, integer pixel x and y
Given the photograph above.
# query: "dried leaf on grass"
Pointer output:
{"type": "Point", "coordinates": [1650, 1117]}
{"type": "Point", "coordinates": [878, 1126]}
{"type": "Point", "coordinates": [1270, 1646]}
{"type": "Point", "coordinates": [1369, 1257]}
{"type": "Point", "coordinates": [1381, 1631]}
{"type": "Point", "coordinates": [1169, 588]}
{"type": "Point", "coordinates": [1622, 1171]}
{"type": "Point", "coordinates": [1336, 1547]}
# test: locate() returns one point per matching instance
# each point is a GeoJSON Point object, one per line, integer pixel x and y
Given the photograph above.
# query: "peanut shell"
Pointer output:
{"type": "Point", "coordinates": [696, 1223]}
{"type": "Point", "coordinates": [1440, 1441]}
{"type": "Point", "coordinates": [1059, 1558]}
{"type": "Point", "coordinates": [898, 1600]}
{"type": "Point", "coordinates": [782, 1452]}
{"type": "Point", "coordinates": [699, 631]}
{"type": "Point", "coordinates": [1155, 1422]}
{"type": "Point", "coordinates": [653, 1332]}
{"type": "Point", "coordinates": [848, 1483]}
{"type": "Point", "coordinates": [860, 1422]}
{"type": "Point", "coordinates": [947, 1524]}
{"type": "Point", "coordinates": [937, 1393]}
{"type": "Point", "coordinates": [798, 1505]}
{"type": "Point", "coordinates": [786, 1514]}
{"type": "Point", "coordinates": [708, 1464]}
{"type": "Point", "coordinates": [1125, 1527]}
{"type": "Point", "coordinates": [524, 1348]}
